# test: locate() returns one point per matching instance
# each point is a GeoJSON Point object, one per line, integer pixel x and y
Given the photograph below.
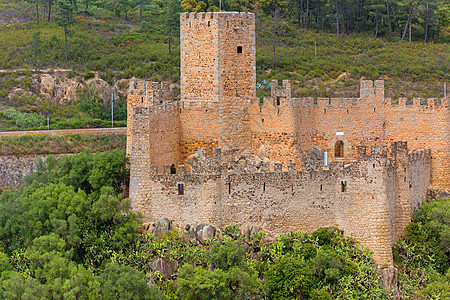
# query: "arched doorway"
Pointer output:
{"type": "Point", "coordinates": [173, 169]}
{"type": "Point", "coordinates": [339, 149]}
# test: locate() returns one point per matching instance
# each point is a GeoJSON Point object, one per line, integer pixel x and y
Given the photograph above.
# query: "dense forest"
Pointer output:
{"type": "Point", "coordinates": [324, 47]}
{"type": "Point", "coordinates": [68, 233]}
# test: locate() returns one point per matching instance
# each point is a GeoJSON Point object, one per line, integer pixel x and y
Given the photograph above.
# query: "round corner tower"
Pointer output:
{"type": "Point", "coordinates": [218, 74]}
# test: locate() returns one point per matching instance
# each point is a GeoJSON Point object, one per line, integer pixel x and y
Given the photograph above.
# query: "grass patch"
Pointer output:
{"type": "Point", "coordinates": [61, 143]}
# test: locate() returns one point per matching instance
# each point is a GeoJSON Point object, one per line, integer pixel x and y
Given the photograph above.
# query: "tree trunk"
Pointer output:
{"type": "Point", "coordinates": [37, 11]}
{"type": "Point", "coordinates": [410, 31]}
{"type": "Point", "coordinates": [426, 25]}
{"type": "Point", "coordinates": [65, 39]}
{"type": "Point", "coordinates": [35, 60]}
{"type": "Point", "coordinates": [389, 21]}
{"type": "Point", "coordinates": [376, 26]}
{"type": "Point", "coordinates": [408, 20]}
{"type": "Point", "coordinates": [307, 14]}
{"type": "Point", "coordinates": [273, 49]}
{"type": "Point", "coordinates": [140, 12]}
{"type": "Point", "coordinates": [87, 5]}
{"type": "Point", "coordinates": [49, 9]}
{"type": "Point", "coordinates": [126, 15]}
{"type": "Point", "coordinates": [170, 50]}
{"type": "Point", "coordinates": [348, 19]}
{"type": "Point", "coordinates": [301, 13]}
{"type": "Point", "coordinates": [337, 20]}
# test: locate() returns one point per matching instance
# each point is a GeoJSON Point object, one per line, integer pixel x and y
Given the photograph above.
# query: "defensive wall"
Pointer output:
{"type": "Point", "coordinates": [360, 198]}
{"type": "Point", "coordinates": [283, 123]}
{"type": "Point", "coordinates": [262, 161]}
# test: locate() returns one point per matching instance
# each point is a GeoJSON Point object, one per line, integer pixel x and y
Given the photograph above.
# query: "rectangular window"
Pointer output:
{"type": "Point", "coordinates": [239, 49]}
{"type": "Point", "coordinates": [181, 189]}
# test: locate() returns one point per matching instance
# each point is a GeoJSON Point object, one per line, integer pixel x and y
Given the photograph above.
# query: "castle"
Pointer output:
{"type": "Point", "coordinates": [221, 155]}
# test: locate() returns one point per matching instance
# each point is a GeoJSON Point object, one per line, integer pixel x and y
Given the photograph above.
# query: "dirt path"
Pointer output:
{"type": "Point", "coordinates": [65, 131]}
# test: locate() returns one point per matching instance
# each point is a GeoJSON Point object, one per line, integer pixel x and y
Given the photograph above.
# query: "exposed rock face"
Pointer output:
{"type": "Point", "coordinates": [162, 226]}
{"type": "Point", "coordinates": [167, 268]}
{"type": "Point", "coordinates": [205, 232]}
{"type": "Point", "coordinates": [14, 168]}
{"type": "Point", "coordinates": [58, 88]}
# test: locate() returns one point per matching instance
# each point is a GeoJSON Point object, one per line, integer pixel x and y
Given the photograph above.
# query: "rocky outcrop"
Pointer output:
{"type": "Point", "coordinates": [166, 268]}
{"type": "Point", "coordinates": [59, 88]}
{"type": "Point", "coordinates": [14, 168]}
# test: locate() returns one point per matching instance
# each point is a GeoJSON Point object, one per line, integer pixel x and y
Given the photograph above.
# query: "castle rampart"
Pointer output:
{"type": "Point", "coordinates": [220, 155]}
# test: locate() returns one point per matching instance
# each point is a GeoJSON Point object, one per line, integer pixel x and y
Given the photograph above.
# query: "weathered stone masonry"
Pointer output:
{"type": "Point", "coordinates": [193, 160]}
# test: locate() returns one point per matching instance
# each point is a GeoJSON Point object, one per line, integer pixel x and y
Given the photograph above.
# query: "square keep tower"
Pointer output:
{"type": "Point", "coordinates": [217, 56]}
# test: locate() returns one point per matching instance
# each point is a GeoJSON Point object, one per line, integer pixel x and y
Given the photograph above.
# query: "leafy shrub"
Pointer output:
{"type": "Point", "coordinates": [24, 120]}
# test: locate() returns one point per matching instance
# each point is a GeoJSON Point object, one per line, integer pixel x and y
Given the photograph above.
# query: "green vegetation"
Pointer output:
{"type": "Point", "coordinates": [424, 254]}
{"type": "Point", "coordinates": [68, 232]}
{"type": "Point", "coordinates": [61, 143]}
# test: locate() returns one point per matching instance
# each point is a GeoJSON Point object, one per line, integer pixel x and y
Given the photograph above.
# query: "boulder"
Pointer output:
{"type": "Point", "coordinates": [190, 236]}
{"type": "Point", "coordinates": [205, 232]}
{"type": "Point", "coordinates": [388, 277]}
{"type": "Point", "coordinates": [162, 226]}
{"type": "Point", "coordinates": [167, 268]}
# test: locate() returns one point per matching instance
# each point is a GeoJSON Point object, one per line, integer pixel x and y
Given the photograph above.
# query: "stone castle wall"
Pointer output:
{"type": "Point", "coordinates": [273, 123]}
{"type": "Point", "coordinates": [371, 198]}
{"type": "Point", "coordinates": [143, 93]}
{"type": "Point", "coordinates": [353, 197]}
{"type": "Point", "coordinates": [373, 119]}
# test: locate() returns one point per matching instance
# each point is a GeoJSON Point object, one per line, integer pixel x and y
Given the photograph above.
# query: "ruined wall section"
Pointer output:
{"type": "Point", "coordinates": [274, 124]}
{"type": "Point", "coordinates": [419, 177]}
{"type": "Point", "coordinates": [143, 93]}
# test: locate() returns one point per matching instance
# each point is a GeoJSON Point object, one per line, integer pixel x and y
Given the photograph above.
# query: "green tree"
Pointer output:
{"type": "Point", "coordinates": [36, 47]}
{"type": "Point", "coordinates": [127, 282]}
{"type": "Point", "coordinates": [65, 18]}
{"type": "Point", "coordinates": [172, 19]}
{"type": "Point", "coordinates": [290, 278]}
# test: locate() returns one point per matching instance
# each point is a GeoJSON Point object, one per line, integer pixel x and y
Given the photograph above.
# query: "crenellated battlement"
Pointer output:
{"type": "Point", "coordinates": [143, 92]}
{"type": "Point", "coordinates": [207, 166]}
{"type": "Point", "coordinates": [421, 103]}
{"type": "Point", "coordinates": [370, 89]}
{"type": "Point", "coordinates": [216, 15]}
{"type": "Point", "coordinates": [420, 155]}
{"type": "Point", "coordinates": [165, 107]}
